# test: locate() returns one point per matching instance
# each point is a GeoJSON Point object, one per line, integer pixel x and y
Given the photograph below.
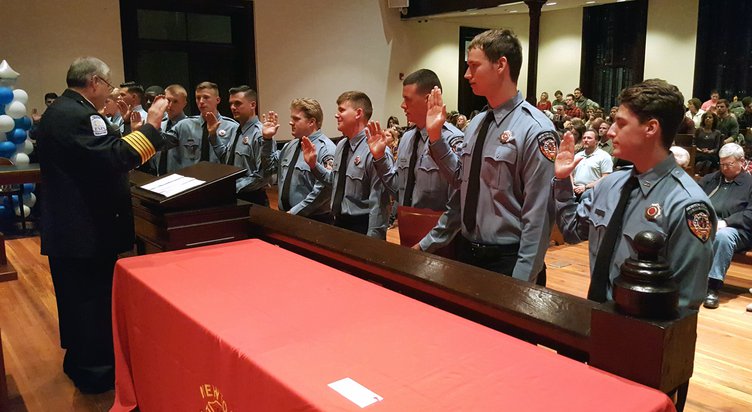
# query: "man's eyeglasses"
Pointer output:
{"type": "Point", "coordinates": [729, 164]}
{"type": "Point", "coordinates": [106, 82]}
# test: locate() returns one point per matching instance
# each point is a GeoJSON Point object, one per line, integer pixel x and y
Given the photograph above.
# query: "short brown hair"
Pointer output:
{"type": "Point", "coordinates": [359, 100]}
{"type": "Point", "coordinates": [248, 93]}
{"type": "Point", "coordinates": [208, 85]}
{"type": "Point", "coordinates": [498, 43]}
{"type": "Point", "coordinates": [310, 107]}
{"type": "Point", "coordinates": [177, 89]}
{"type": "Point", "coordinates": [659, 100]}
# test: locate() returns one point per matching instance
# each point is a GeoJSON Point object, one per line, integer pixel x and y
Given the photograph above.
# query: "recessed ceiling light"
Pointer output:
{"type": "Point", "coordinates": [589, 2]}
{"type": "Point", "coordinates": [550, 4]}
{"type": "Point", "coordinates": [513, 11]}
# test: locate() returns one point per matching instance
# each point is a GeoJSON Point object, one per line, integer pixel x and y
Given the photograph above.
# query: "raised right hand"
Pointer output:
{"type": "Point", "coordinates": [309, 152]}
{"type": "Point", "coordinates": [565, 161]}
{"type": "Point", "coordinates": [376, 140]}
{"type": "Point", "coordinates": [436, 114]}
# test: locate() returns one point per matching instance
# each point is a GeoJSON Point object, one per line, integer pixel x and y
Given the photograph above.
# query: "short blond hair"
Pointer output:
{"type": "Point", "coordinates": [177, 90]}
{"type": "Point", "coordinates": [310, 107]}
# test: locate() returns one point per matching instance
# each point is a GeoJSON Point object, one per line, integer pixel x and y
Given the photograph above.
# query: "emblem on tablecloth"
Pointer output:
{"type": "Point", "coordinates": [214, 400]}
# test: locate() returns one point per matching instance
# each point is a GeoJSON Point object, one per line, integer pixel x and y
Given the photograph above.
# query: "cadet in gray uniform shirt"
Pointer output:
{"type": "Point", "coordinates": [300, 193]}
{"type": "Point", "coordinates": [506, 207]}
{"type": "Point", "coordinates": [184, 141]}
{"type": "Point", "coordinates": [429, 189]}
{"type": "Point", "coordinates": [663, 199]}
{"type": "Point", "coordinates": [359, 201]}
{"type": "Point", "coordinates": [244, 147]}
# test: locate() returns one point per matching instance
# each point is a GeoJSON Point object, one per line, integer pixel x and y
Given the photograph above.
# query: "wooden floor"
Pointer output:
{"type": "Point", "coordinates": [33, 358]}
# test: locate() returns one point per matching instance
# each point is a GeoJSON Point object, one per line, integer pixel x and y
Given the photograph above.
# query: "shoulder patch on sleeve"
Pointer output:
{"type": "Point", "coordinates": [98, 125]}
{"type": "Point", "coordinates": [698, 220]}
{"type": "Point", "coordinates": [548, 143]}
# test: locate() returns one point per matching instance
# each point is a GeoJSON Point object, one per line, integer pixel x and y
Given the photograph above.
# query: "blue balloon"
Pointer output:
{"type": "Point", "coordinates": [28, 187]}
{"type": "Point", "coordinates": [16, 136]}
{"type": "Point", "coordinates": [23, 123]}
{"type": "Point", "coordinates": [7, 149]}
{"type": "Point", "coordinates": [6, 95]}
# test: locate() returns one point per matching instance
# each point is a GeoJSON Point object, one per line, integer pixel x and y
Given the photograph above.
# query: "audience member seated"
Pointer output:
{"type": "Point", "coordinates": [710, 104]}
{"type": "Point", "coordinates": [727, 123]}
{"type": "Point", "coordinates": [595, 164]}
{"type": "Point", "coordinates": [571, 109]}
{"type": "Point", "coordinates": [708, 139]}
{"type": "Point", "coordinates": [694, 112]}
{"type": "Point", "coordinates": [730, 191]}
{"type": "Point", "coordinates": [558, 99]}
{"type": "Point", "coordinates": [682, 157]}
{"type": "Point", "coordinates": [543, 103]}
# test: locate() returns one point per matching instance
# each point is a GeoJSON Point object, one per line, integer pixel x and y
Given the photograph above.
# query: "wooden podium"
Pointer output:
{"type": "Point", "coordinates": [203, 215]}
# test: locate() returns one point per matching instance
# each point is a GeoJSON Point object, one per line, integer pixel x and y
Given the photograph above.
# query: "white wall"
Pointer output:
{"type": "Point", "coordinates": [41, 39]}
{"type": "Point", "coordinates": [671, 42]}
{"type": "Point", "coordinates": [559, 51]}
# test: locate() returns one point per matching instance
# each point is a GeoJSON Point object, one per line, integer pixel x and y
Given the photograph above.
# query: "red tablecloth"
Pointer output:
{"type": "Point", "coordinates": [248, 326]}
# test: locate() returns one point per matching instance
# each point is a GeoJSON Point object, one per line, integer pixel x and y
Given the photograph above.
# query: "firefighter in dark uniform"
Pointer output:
{"type": "Point", "coordinates": [86, 217]}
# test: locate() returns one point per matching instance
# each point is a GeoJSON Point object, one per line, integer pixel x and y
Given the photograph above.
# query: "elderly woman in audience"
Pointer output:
{"type": "Point", "coordinates": [708, 140]}
{"type": "Point", "coordinates": [730, 191]}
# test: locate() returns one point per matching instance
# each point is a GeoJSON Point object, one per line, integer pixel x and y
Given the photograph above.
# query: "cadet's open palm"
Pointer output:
{"type": "Point", "coordinates": [376, 139]}
{"type": "Point", "coordinates": [565, 161]}
{"type": "Point", "coordinates": [436, 114]}
{"type": "Point", "coordinates": [309, 152]}
{"type": "Point", "coordinates": [212, 123]}
{"type": "Point", "coordinates": [269, 125]}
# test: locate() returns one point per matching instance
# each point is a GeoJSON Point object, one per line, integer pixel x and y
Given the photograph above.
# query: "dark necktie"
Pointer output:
{"type": "Point", "coordinates": [601, 269]}
{"type": "Point", "coordinates": [231, 156]}
{"type": "Point", "coordinates": [162, 167]}
{"type": "Point", "coordinates": [473, 183]}
{"type": "Point", "coordinates": [288, 179]}
{"type": "Point", "coordinates": [204, 143]}
{"type": "Point", "coordinates": [408, 200]}
{"type": "Point", "coordinates": [339, 193]}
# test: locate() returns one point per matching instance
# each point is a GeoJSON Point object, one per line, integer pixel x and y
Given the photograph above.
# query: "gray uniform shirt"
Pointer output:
{"type": "Point", "coordinates": [184, 141]}
{"type": "Point", "coordinates": [247, 156]}
{"type": "Point", "coordinates": [431, 190]}
{"type": "Point", "coordinates": [308, 196]}
{"type": "Point", "coordinates": [514, 203]}
{"type": "Point", "coordinates": [364, 190]}
{"type": "Point", "coordinates": [667, 201]}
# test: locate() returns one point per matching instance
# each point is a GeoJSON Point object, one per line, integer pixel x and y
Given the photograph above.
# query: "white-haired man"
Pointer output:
{"type": "Point", "coordinates": [730, 191]}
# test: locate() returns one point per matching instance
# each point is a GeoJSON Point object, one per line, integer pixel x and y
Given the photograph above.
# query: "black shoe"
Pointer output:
{"type": "Point", "coordinates": [711, 300]}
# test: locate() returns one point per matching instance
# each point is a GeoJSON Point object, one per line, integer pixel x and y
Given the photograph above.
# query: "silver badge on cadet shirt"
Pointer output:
{"type": "Point", "coordinates": [357, 160]}
{"type": "Point", "coordinates": [505, 137]}
{"type": "Point", "coordinates": [245, 139]}
{"type": "Point", "coordinates": [222, 133]}
{"type": "Point", "coordinates": [653, 212]}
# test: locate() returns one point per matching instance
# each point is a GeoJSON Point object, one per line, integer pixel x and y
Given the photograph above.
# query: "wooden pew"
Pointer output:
{"type": "Point", "coordinates": [658, 354]}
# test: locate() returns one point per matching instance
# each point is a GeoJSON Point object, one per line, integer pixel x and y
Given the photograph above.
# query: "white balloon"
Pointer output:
{"type": "Point", "coordinates": [15, 110]}
{"type": "Point", "coordinates": [29, 199]}
{"type": "Point", "coordinates": [20, 96]}
{"type": "Point", "coordinates": [6, 124]}
{"type": "Point", "coordinates": [26, 147]}
{"type": "Point", "coordinates": [26, 211]}
{"type": "Point", "coordinates": [20, 159]}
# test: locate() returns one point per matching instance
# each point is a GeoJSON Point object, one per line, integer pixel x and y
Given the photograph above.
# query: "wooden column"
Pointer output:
{"type": "Point", "coordinates": [532, 68]}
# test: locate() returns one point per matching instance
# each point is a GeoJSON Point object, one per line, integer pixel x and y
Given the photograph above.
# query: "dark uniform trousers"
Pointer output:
{"type": "Point", "coordinates": [357, 224]}
{"type": "Point", "coordinates": [83, 290]}
{"type": "Point", "coordinates": [257, 197]}
{"type": "Point", "coordinates": [496, 258]}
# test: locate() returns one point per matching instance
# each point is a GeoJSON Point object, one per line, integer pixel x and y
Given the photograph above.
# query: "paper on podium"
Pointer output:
{"type": "Point", "coordinates": [172, 185]}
